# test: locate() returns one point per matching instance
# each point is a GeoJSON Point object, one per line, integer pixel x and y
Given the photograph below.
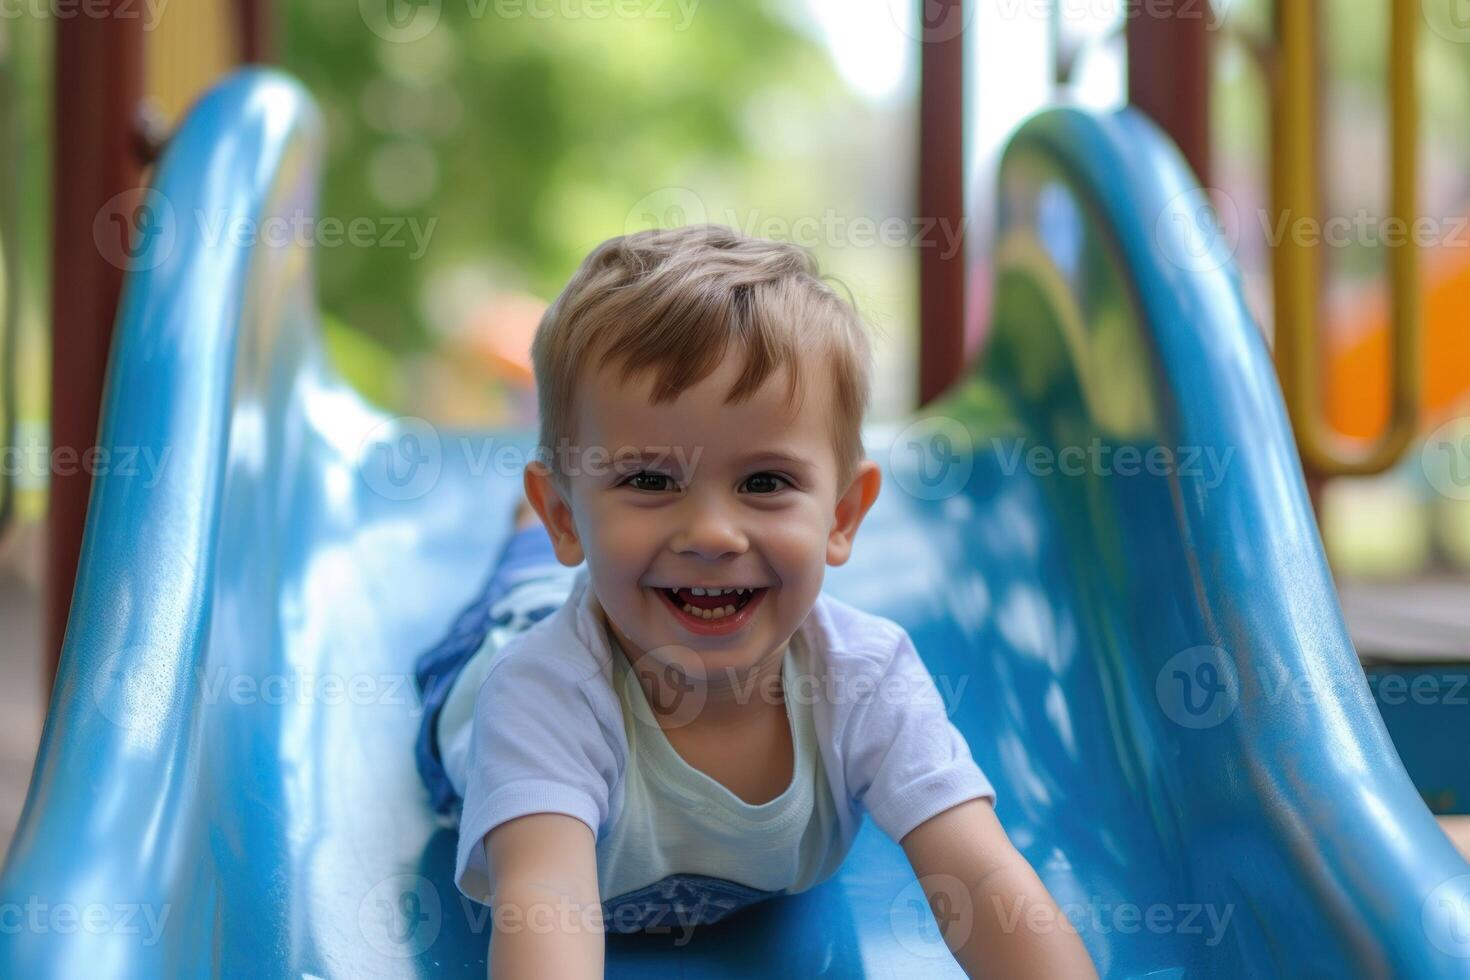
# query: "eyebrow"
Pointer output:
{"type": "Point", "coordinates": [764, 456]}
{"type": "Point", "coordinates": [773, 456]}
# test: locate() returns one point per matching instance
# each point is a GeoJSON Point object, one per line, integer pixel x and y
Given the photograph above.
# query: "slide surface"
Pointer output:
{"type": "Point", "coordinates": [1099, 541]}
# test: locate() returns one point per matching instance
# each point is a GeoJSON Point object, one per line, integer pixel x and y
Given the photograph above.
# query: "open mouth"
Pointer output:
{"type": "Point", "coordinates": [713, 610]}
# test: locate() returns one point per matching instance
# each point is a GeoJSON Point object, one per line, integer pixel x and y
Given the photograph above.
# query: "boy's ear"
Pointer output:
{"type": "Point", "coordinates": [546, 499]}
{"type": "Point", "coordinates": [852, 507]}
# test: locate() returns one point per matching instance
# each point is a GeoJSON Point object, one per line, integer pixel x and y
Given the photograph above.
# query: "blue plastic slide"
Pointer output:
{"type": "Point", "coordinates": [1099, 541]}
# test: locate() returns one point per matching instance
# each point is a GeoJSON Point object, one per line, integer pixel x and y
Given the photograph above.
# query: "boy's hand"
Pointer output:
{"type": "Point", "coordinates": [991, 929]}
{"type": "Point", "coordinates": [547, 920]}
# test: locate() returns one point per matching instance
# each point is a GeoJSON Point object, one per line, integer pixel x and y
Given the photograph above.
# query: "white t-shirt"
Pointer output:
{"type": "Point", "coordinates": [556, 730]}
{"type": "Point", "coordinates": [686, 850]}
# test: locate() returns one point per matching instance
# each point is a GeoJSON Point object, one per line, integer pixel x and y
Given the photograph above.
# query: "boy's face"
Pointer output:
{"type": "Point", "coordinates": [738, 496]}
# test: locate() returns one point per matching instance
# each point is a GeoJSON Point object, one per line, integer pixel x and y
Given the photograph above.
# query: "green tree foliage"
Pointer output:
{"type": "Point", "coordinates": [519, 141]}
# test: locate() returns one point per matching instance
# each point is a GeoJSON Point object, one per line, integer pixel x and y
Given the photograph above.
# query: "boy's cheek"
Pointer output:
{"type": "Point", "coordinates": [625, 538]}
{"type": "Point", "coordinates": [798, 541]}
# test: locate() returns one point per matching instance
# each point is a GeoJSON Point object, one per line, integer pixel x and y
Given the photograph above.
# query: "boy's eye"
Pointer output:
{"type": "Point", "coordinates": [645, 480]}
{"type": "Point", "coordinates": [764, 483]}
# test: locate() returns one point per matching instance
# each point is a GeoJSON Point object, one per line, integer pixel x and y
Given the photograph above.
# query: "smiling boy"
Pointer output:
{"type": "Point", "coordinates": [697, 727]}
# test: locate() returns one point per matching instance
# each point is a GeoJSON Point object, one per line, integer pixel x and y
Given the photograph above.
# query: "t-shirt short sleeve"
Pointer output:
{"type": "Point", "coordinates": [537, 746]}
{"type": "Point", "coordinates": [905, 760]}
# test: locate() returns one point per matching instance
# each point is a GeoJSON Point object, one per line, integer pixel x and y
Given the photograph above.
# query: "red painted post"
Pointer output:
{"type": "Point", "coordinates": [941, 195]}
{"type": "Point", "coordinates": [257, 31]}
{"type": "Point", "coordinates": [98, 84]}
{"type": "Point", "coordinates": [1169, 73]}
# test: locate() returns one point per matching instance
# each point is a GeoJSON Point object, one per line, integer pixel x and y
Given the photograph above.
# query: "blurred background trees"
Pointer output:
{"type": "Point", "coordinates": [515, 135]}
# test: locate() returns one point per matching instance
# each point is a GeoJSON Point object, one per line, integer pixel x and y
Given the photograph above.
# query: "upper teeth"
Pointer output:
{"type": "Point", "coordinates": [699, 591]}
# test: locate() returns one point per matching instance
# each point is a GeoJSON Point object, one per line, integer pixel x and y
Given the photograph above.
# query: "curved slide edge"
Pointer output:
{"type": "Point", "coordinates": [1314, 770]}
{"type": "Point", "coordinates": [113, 826]}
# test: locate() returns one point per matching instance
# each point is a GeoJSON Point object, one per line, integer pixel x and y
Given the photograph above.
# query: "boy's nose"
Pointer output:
{"type": "Point", "coordinates": [709, 531]}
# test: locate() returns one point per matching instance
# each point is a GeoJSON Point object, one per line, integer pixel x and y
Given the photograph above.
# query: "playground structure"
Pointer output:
{"type": "Point", "coordinates": [1159, 680]}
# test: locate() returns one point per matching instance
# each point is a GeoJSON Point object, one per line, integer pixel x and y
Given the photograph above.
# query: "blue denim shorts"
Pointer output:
{"type": "Point", "coordinates": [526, 585]}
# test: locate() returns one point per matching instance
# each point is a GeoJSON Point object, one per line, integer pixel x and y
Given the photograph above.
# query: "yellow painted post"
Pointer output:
{"type": "Point", "coordinates": [1297, 265]}
{"type": "Point", "coordinates": [187, 50]}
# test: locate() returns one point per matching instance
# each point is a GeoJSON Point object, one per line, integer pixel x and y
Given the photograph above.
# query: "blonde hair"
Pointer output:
{"type": "Point", "coordinates": [672, 302]}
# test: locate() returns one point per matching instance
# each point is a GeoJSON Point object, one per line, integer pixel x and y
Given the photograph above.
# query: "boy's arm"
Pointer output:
{"type": "Point", "coordinates": [1007, 925]}
{"type": "Point", "coordinates": [547, 913]}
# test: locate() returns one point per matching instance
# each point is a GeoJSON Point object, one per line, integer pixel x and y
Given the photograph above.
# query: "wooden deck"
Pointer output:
{"type": "Point", "coordinates": [20, 696]}
{"type": "Point", "coordinates": [1426, 620]}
